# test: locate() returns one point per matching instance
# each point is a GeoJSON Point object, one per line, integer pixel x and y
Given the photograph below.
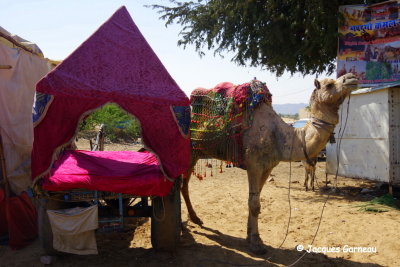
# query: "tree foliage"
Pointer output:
{"type": "Point", "coordinates": [279, 35]}
{"type": "Point", "coordinates": [118, 123]}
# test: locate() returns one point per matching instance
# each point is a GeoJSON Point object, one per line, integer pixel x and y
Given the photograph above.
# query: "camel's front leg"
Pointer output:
{"type": "Point", "coordinates": [185, 193]}
{"type": "Point", "coordinates": [313, 178]}
{"type": "Point", "coordinates": [256, 180]}
{"type": "Point", "coordinates": [306, 178]}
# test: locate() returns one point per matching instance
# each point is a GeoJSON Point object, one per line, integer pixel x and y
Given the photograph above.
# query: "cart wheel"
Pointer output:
{"type": "Point", "coordinates": [44, 227]}
{"type": "Point", "coordinates": [166, 220]}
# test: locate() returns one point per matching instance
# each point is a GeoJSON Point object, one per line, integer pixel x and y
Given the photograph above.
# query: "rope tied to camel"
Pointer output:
{"type": "Point", "coordinates": [219, 118]}
{"type": "Point", "coordinates": [321, 124]}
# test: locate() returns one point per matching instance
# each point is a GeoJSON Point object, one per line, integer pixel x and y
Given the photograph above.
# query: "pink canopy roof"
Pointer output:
{"type": "Point", "coordinates": [115, 64]}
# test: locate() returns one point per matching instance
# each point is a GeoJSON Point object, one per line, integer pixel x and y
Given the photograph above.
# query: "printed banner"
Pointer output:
{"type": "Point", "coordinates": [369, 43]}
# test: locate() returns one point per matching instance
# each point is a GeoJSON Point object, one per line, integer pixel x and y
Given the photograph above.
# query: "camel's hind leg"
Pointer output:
{"type": "Point", "coordinates": [185, 193]}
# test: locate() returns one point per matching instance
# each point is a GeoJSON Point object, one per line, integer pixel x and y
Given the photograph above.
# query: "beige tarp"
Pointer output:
{"type": "Point", "coordinates": [73, 230]}
{"type": "Point", "coordinates": [20, 40]}
{"type": "Point", "coordinates": [17, 89]}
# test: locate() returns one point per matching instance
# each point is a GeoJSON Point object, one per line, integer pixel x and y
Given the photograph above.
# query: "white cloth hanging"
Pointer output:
{"type": "Point", "coordinates": [73, 229]}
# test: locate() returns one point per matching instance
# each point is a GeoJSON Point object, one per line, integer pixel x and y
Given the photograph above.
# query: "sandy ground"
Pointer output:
{"type": "Point", "coordinates": [221, 202]}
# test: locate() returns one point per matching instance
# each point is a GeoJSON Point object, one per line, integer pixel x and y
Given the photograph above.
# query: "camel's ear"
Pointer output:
{"type": "Point", "coordinates": [317, 84]}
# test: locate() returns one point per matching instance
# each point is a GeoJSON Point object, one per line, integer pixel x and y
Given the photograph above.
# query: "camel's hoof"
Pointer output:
{"type": "Point", "coordinates": [196, 220]}
{"type": "Point", "coordinates": [258, 249]}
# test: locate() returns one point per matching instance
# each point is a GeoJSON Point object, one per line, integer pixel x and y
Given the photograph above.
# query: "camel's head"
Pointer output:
{"type": "Point", "coordinates": [329, 93]}
{"type": "Point", "coordinates": [333, 92]}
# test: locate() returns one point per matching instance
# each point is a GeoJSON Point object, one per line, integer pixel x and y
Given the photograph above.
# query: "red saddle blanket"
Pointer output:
{"type": "Point", "coordinates": [128, 172]}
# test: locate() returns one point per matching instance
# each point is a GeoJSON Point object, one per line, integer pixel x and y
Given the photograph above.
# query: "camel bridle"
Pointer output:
{"type": "Point", "coordinates": [319, 124]}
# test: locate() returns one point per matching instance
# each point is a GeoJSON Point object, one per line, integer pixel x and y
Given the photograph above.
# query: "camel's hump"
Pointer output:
{"type": "Point", "coordinates": [240, 93]}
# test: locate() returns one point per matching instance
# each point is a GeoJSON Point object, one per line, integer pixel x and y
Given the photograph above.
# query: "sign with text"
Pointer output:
{"type": "Point", "coordinates": [369, 43]}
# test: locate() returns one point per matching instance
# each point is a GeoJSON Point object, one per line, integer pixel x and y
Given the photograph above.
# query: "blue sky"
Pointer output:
{"type": "Point", "coordinates": [59, 26]}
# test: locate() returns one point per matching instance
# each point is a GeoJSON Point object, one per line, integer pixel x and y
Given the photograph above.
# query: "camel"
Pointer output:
{"type": "Point", "coordinates": [309, 168]}
{"type": "Point", "coordinates": [270, 140]}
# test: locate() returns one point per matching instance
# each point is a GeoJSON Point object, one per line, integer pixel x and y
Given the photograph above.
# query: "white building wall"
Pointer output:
{"type": "Point", "coordinates": [364, 150]}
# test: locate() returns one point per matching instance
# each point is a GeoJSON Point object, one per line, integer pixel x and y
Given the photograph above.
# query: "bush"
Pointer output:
{"type": "Point", "coordinates": [118, 124]}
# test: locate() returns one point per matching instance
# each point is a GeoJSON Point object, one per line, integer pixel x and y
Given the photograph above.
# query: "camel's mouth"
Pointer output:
{"type": "Point", "coordinates": [349, 81]}
{"type": "Point", "coordinates": [351, 84]}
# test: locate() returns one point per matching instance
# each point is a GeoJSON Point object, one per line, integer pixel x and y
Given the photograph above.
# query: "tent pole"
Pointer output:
{"type": "Point", "coordinates": [3, 169]}
{"type": "Point", "coordinates": [14, 42]}
{"type": "Point", "coordinates": [5, 67]}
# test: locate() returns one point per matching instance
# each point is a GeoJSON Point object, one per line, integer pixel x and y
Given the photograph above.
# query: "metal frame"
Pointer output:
{"type": "Point", "coordinates": [141, 209]}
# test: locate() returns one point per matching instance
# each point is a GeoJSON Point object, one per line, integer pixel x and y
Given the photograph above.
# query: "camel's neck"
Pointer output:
{"type": "Point", "coordinates": [326, 113]}
{"type": "Point", "coordinates": [314, 140]}
{"type": "Point", "coordinates": [313, 136]}
{"type": "Point", "coordinates": [270, 137]}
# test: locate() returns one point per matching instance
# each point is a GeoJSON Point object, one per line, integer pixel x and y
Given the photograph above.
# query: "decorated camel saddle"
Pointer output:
{"type": "Point", "coordinates": [220, 116]}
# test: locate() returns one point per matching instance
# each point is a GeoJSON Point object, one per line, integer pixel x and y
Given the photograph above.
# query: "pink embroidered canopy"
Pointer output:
{"type": "Point", "coordinates": [117, 65]}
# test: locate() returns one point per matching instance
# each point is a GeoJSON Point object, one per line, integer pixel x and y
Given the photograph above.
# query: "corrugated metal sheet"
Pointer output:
{"type": "Point", "coordinates": [364, 150]}
{"type": "Point", "coordinates": [376, 88]}
{"type": "Point", "coordinates": [394, 133]}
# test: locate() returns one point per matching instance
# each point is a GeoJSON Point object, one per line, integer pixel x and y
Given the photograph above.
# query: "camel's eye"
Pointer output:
{"type": "Point", "coordinates": [330, 85]}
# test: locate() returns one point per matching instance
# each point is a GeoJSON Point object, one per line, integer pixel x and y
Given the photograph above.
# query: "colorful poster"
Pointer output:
{"type": "Point", "coordinates": [369, 43]}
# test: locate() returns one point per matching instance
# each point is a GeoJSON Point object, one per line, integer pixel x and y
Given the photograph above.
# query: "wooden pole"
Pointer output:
{"type": "Point", "coordinates": [14, 42]}
{"type": "Point", "coordinates": [5, 67]}
{"type": "Point", "coordinates": [3, 169]}
{"type": "Point", "coordinates": [101, 138]}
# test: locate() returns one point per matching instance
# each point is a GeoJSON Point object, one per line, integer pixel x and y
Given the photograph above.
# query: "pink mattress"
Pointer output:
{"type": "Point", "coordinates": [128, 172]}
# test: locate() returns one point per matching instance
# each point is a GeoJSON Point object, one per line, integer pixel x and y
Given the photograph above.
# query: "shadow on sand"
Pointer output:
{"type": "Point", "coordinates": [114, 250]}
{"type": "Point", "coordinates": [274, 256]}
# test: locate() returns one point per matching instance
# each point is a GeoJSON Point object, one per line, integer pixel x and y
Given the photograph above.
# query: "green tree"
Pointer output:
{"type": "Point", "coordinates": [279, 35]}
{"type": "Point", "coordinates": [118, 123]}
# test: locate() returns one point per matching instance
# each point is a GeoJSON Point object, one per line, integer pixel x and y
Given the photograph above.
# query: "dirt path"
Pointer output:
{"type": "Point", "coordinates": [221, 202]}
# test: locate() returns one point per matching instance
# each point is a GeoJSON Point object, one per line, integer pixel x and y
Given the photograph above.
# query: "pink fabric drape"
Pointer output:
{"type": "Point", "coordinates": [127, 172]}
{"type": "Point", "coordinates": [115, 64]}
